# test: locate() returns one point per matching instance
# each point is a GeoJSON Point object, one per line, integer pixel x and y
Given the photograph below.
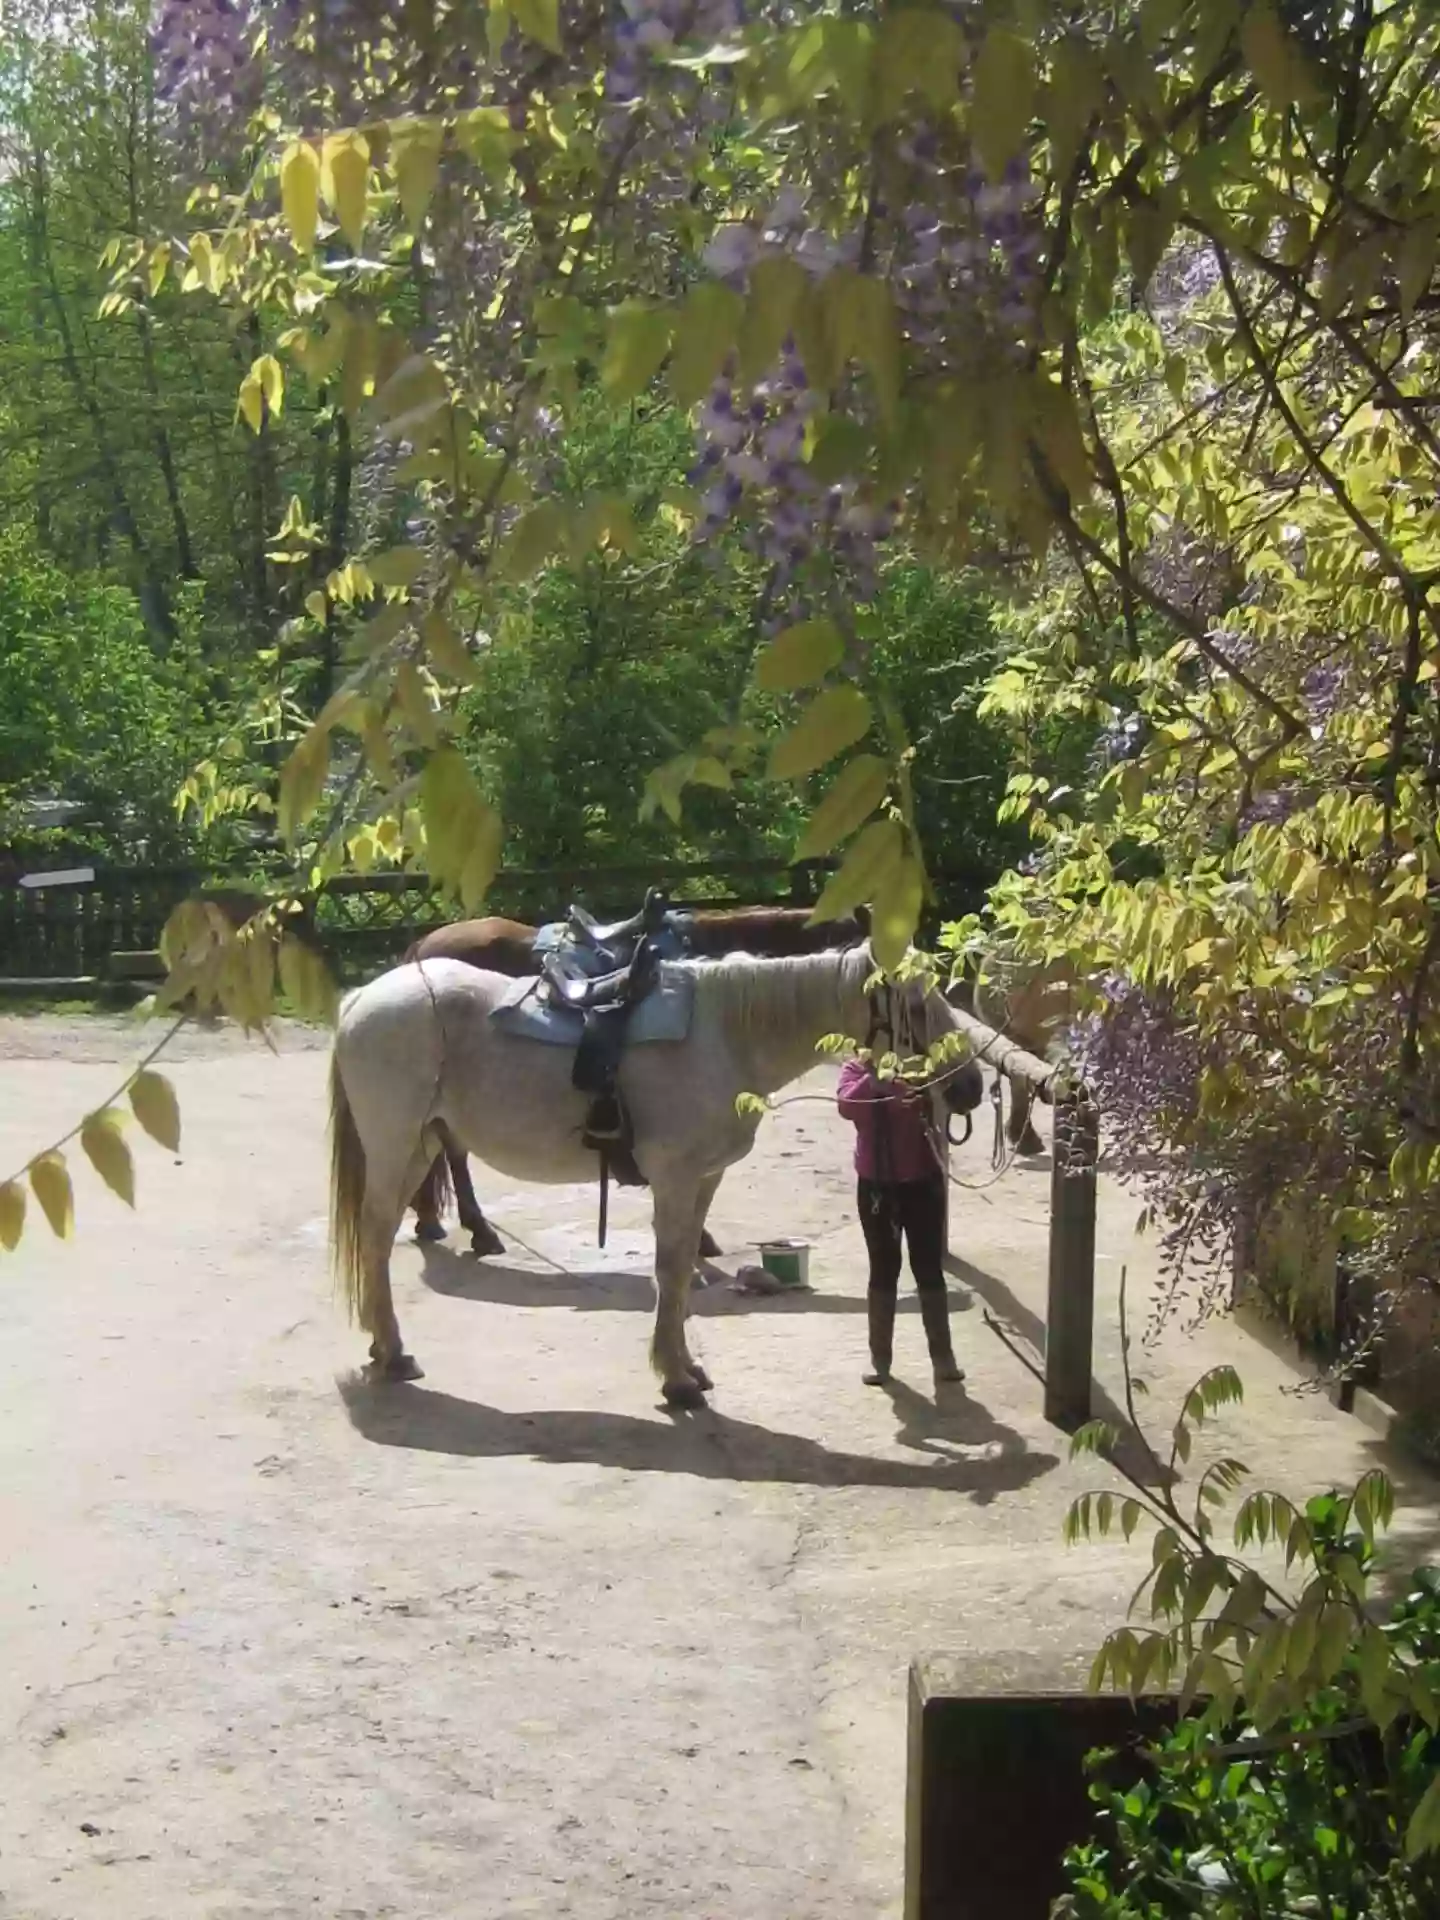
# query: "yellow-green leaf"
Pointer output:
{"type": "Point", "coordinates": [875, 851]}
{"type": "Point", "coordinates": [539, 20]}
{"type": "Point", "coordinates": [834, 720]}
{"type": "Point", "coordinates": [300, 192]}
{"type": "Point", "coordinates": [1423, 1833]}
{"type": "Point", "coordinates": [106, 1149]}
{"type": "Point", "coordinates": [1415, 265]}
{"type": "Point", "coordinates": [637, 340]}
{"type": "Point", "coordinates": [50, 1183]}
{"type": "Point", "coordinates": [302, 781]}
{"type": "Point", "coordinates": [536, 537]}
{"type": "Point", "coordinates": [250, 403]}
{"type": "Point", "coordinates": [895, 912]}
{"type": "Point", "coordinates": [396, 566]}
{"type": "Point", "coordinates": [12, 1214]}
{"type": "Point", "coordinates": [707, 329]}
{"type": "Point", "coordinates": [306, 981]}
{"type": "Point", "coordinates": [482, 858]}
{"type": "Point", "coordinates": [1272, 56]}
{"type": "Point", "coordinates": [451, 807]}
{"type": "Point", "coordinates": [854, 795]}
{"type": "Point", "coordinates": [862, 316]}
{"type": "Point", "coordinates": [799, 657]}
{"type": "Point", "coordinates": [345, 175]}
{"type": "Point", "coordinates": [446, 648]}
{"type": "Point", "coordinates": [415, 162]}
{"type": "Point", "coordinates": [777, 289]}
{"type": "Point", "coordinates": [1003, 87]}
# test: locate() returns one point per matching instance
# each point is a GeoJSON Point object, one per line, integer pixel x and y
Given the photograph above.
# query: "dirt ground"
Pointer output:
{"type": "Point", "coordinates": [512, 1640]}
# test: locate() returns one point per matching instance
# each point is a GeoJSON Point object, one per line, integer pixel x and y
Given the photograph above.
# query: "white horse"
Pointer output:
{"type": "Point", "coordinates": [418, 1046]}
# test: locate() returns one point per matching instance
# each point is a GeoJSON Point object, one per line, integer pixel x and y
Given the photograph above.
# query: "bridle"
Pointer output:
{"type": "Point", "coordinates": [892, 1013]}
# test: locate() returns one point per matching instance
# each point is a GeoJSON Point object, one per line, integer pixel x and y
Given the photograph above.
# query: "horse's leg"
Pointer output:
{"type": "Point", "coordinates": [1021, 1130]}
{"type": "Point", "coordinates": [678, 1216]}
{"type": "Point", "coordinates": [703, 1203]}
{"type": "Point", "coordinates": [483, 1237]}
{"type": "Point", "coordinates": [428, 1223]}
{"type": "Point", "coordinates": [388, 1358]}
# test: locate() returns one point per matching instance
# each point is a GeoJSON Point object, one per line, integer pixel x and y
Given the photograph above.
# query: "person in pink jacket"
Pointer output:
{"type": "Point", "coordinates": [901, 1195]}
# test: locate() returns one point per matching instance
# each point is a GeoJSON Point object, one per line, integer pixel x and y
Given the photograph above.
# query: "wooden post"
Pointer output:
{"type": "Point", "coordinates": [1070, 1313]}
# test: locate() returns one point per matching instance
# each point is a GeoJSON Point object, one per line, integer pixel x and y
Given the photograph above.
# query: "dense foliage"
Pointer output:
{"type": "Point", "coordinates": [1304, 1773]}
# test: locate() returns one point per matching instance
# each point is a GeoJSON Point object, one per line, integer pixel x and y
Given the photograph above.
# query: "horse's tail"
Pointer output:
{"type": "Point", "coordinates": [347, 1198]}
{"type": "Point", "coordinates": [443, 1187]}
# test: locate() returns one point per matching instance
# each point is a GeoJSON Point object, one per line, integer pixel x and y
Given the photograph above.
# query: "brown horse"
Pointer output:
{"type": "Point", "coordinates": [508, 946]}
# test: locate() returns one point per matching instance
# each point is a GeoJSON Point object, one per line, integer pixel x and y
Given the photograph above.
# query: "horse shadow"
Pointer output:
{"type": "Point", "coordinates": [460, 1276]}
{"type": "Point", "coordinates": [706, 1445]}
{"type": "Point", "coordinates": [1132, 1454]}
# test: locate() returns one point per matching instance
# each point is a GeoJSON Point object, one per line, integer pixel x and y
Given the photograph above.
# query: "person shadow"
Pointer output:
{"type": "Point", "coordinates": [953, 1427]}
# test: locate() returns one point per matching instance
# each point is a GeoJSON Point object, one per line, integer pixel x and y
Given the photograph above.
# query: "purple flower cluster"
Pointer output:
{"type": "Point", "coordinates": [650, 27]}
{"type": "Point", "coordinates": [206, 65]}
{"type": "Point", "coordinates": [964, 245]}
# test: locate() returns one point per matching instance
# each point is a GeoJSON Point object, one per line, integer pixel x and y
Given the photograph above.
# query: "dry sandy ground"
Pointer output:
{"type": "Point", "coordinates": [513, 1640]}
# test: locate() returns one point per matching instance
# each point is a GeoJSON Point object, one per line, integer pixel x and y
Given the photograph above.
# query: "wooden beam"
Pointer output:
{"type": "Point", "coordinates": [996, 1050]}
{"type": "Point", "coordinates": [1070, 1311]}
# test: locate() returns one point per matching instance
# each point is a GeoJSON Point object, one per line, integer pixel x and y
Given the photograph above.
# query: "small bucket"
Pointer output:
{"type": "Point", "coordinates": [787, 1260]}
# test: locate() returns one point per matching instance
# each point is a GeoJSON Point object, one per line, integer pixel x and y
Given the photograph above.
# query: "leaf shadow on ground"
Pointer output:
{"type": "Point", "coordinates": [708, 1445]}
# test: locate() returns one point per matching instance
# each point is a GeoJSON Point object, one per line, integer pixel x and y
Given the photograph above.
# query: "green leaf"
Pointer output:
{"type": "Point", "coordinates": [895, 913]}
{"type": "Point", "coordinates": [706, 330]}
{"type": "Point", "coordinates": [834, 720]}
{"type": "Point", "coordinates": [853, 796]}
{"type": "Point", "coordinates": [636, 343]}
{"type": "Point", "coordinates": [874, 852]}
{"type": "Point", "coordinates": [1003, 87]}
{"type": "Point", "coordinates": [300, 193]}
{"type": "Point", "coordinates": [799, 657]}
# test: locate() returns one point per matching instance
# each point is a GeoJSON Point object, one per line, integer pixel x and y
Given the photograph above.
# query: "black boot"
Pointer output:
{"type": "Point", "coordinates": [935, 1313]}
{"type": "Point", "coordinates": [882, 1336]}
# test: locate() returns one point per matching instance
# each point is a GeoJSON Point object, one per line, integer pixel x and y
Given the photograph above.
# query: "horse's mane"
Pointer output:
{"type": "Point", "coordinates": [769, 997]}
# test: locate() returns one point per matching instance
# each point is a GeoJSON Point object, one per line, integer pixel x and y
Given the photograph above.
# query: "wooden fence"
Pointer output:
{"type": "Point", "coordinates": [69, 932]}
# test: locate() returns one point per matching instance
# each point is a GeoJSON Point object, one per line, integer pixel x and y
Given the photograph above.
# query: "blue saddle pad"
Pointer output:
{"type": "Point", "coordinates": [664, 1014]}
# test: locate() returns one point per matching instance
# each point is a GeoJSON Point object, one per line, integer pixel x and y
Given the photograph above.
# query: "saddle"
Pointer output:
{"type": "Point", "coordinates": [602, 973]}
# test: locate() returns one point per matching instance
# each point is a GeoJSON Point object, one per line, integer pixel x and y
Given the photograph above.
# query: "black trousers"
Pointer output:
{"type": "Point", "coordinates": [908, 1210]}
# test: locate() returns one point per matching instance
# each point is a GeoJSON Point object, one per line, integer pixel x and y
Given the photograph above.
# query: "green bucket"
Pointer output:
{"type": "Point", "coordinates": [787, 1260]}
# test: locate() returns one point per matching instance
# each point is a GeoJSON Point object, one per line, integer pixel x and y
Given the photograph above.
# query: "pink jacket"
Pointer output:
{"type": "Point", "coordinates": [893, 1141]}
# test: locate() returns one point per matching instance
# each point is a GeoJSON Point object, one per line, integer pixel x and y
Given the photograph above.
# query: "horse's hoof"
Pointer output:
{"type": "Point", "coordinates": [485, 1240]}
{"type": "Point", "coordinates": [429, 1229]}
{"type": "Point", "coordinates": [702, 1379]}
{"type": "Point", "coordinates": [684, 1395]}
{"type": "Point", "coordinates": [1030, 1144]}
{"type": "Point", "coordinates": [400, 1366]}
{"type": "Point", "coordinates": [710, 1248]}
